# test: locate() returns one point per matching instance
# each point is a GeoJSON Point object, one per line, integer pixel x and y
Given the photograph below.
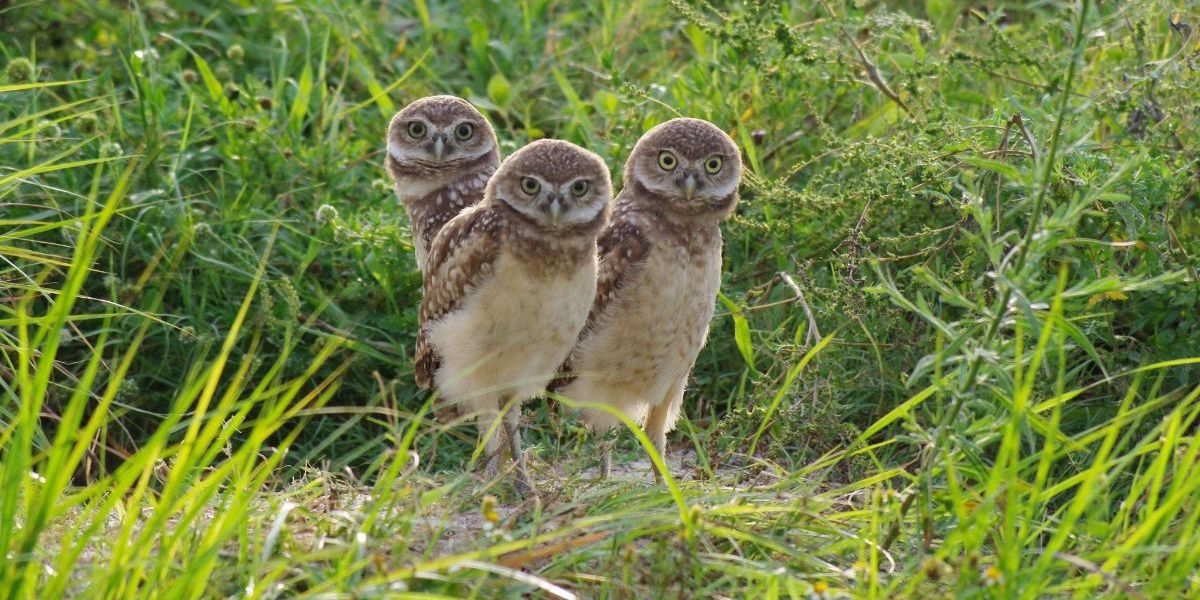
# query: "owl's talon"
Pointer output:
{"type": "Point", "coordinates": [522, 482]}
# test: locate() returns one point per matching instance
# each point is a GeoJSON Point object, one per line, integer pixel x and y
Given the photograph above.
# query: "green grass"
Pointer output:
{"type": "Point", "coordinates": [957, 352]}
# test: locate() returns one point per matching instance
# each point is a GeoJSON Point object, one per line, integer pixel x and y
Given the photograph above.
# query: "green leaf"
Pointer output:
{"type": "Point", "coordinates": [605, 101]}
{"type": "Point", "coordinates": [303, 94]}
{"type": "Point", "coordinates": [578, 109]}
{"type": "Point", "coordinates": [968, 97]}
{"type": "Point", "coordinates": [941, 13]}
{"type": "Point", "coordinates": [211, 83]}
{"type": "Point", "coordinates": [876, 122]}
{"type": "Point", "coordinates": [994, 166]}
{"type": "Point", "coordinates": [422, 13]}
{"type": "Point", "coordinates": [741, 331]}
{"type": "Point", "coordinates": [499, 90]}
{"type": "Point", "coordinates": [480, 54]}
{"type": "Point", "coordinates": [366, 75]}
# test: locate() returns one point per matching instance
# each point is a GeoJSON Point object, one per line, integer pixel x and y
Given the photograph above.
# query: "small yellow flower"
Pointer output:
{"type": "Point", "coordinates": [992, 576]}
{"type": "Point", "coordinates": [489, 509]}
{"type": "Point", "coordinates": [1109, 295]}
{"type": "Point", "coordinates": [821, 591]}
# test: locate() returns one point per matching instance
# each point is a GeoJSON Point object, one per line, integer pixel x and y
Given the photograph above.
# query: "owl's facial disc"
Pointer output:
{"type": "Point", "coordinates": [439, 132]}
{"type": "Point", "coordinates": [554, 185]}
{"type": "Point", "coordinates": [688, 165]}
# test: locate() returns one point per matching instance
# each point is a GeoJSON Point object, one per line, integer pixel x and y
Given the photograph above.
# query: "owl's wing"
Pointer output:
{"type": "Point", "coordinates": [622, 249]}
{"type": "Point", "coordinates": [460, 260]}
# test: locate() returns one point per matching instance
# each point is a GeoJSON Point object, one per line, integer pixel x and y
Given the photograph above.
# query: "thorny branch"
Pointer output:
{"type": "Point", "coordinates": [872, 69]}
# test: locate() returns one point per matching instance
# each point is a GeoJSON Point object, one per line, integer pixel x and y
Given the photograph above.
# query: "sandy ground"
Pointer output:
{"type": "Point", "coordinates": [330, 509]}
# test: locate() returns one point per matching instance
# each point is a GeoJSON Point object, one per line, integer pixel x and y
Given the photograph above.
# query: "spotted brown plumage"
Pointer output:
{"type": "Point", "coordinates": [660, 268]}
{"type": "Point", "coordinates": [508, 286]}
{"type": "Point", "coordinates": [471, 242]}
{"type": "Point", "coordinates": [440, 153]}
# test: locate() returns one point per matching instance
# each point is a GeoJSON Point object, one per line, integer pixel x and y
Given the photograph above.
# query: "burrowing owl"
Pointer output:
{"type": "Point", "coordinates": [440, 153]}
{"type": "Point", "coordinates": [509, 284]}
{"type": "Point", "coordinates": [660, 267]}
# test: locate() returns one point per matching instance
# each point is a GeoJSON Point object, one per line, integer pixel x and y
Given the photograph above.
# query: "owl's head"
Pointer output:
{"type": "Point", "coordinates": [689, 164]}
{"type": "Point", "coordinates": [555, 185]}
{"type": "Point", "coordinates": [439, 132]}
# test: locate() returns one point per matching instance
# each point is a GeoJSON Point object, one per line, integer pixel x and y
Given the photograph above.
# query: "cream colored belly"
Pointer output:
{"type": "Point", "coordinates": [653, 332]}
{"type": "Point", "coordinates": [513, 333]}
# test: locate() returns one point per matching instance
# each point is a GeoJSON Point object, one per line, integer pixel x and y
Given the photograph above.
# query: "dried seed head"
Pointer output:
{"type": "Point", "coordinates": [328, 214]}
{"type": "Point", "coordinates": [20, 70]}
{"type": "Point", "coordinates": [88, 123]}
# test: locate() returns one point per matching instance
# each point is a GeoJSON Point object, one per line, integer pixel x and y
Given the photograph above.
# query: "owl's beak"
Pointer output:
{"type": "Point", "coordinates": [555, 211]}
{"type": "Point", "coordinates": [439, 147]}
{"type": "Point", "coordinates": [689, 186]}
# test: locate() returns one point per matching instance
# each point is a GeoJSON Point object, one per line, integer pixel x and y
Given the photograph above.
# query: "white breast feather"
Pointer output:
{"type": "Point", "coordinates": [411, 189]}
{"type": "Point", "coordinates": [512, 333]}
{"type": "Point", "coordinates": [650, 335]}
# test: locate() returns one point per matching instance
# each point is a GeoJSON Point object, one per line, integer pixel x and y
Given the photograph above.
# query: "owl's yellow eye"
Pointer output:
{"type": "Point", "coordinates": [416, 129]}
{"type": "Point", "coordinates": [579, 188]}
{"type": "Point", "coordinates": [464, 131]}
{"type": "Point", "coordinates": [530, 185]}
{"type": "Point", "coordinates": [713, 165]}
{"type": "Point", "coordinates": [667, 161]}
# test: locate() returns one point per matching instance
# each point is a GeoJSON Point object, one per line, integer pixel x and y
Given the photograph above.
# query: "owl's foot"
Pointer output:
{"type": "Point", "coordinates": [661, 448]}
{"type": "Point", "coordinates": [491, 465]}
{"type": "Point", "coordinates": [522, 482]}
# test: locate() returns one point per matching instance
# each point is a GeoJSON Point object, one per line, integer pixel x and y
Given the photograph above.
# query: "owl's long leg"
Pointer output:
{"type": "Point", "coordinates": [605, 438]}
{"type": "Point", "coordinates": [512, 427]}
{"type": "Point", "coordinates": [656, 430]}
{"type": "Point", "coordinates": [493, 443]}
{"type": "Point", "coordinates": [661, 419]}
